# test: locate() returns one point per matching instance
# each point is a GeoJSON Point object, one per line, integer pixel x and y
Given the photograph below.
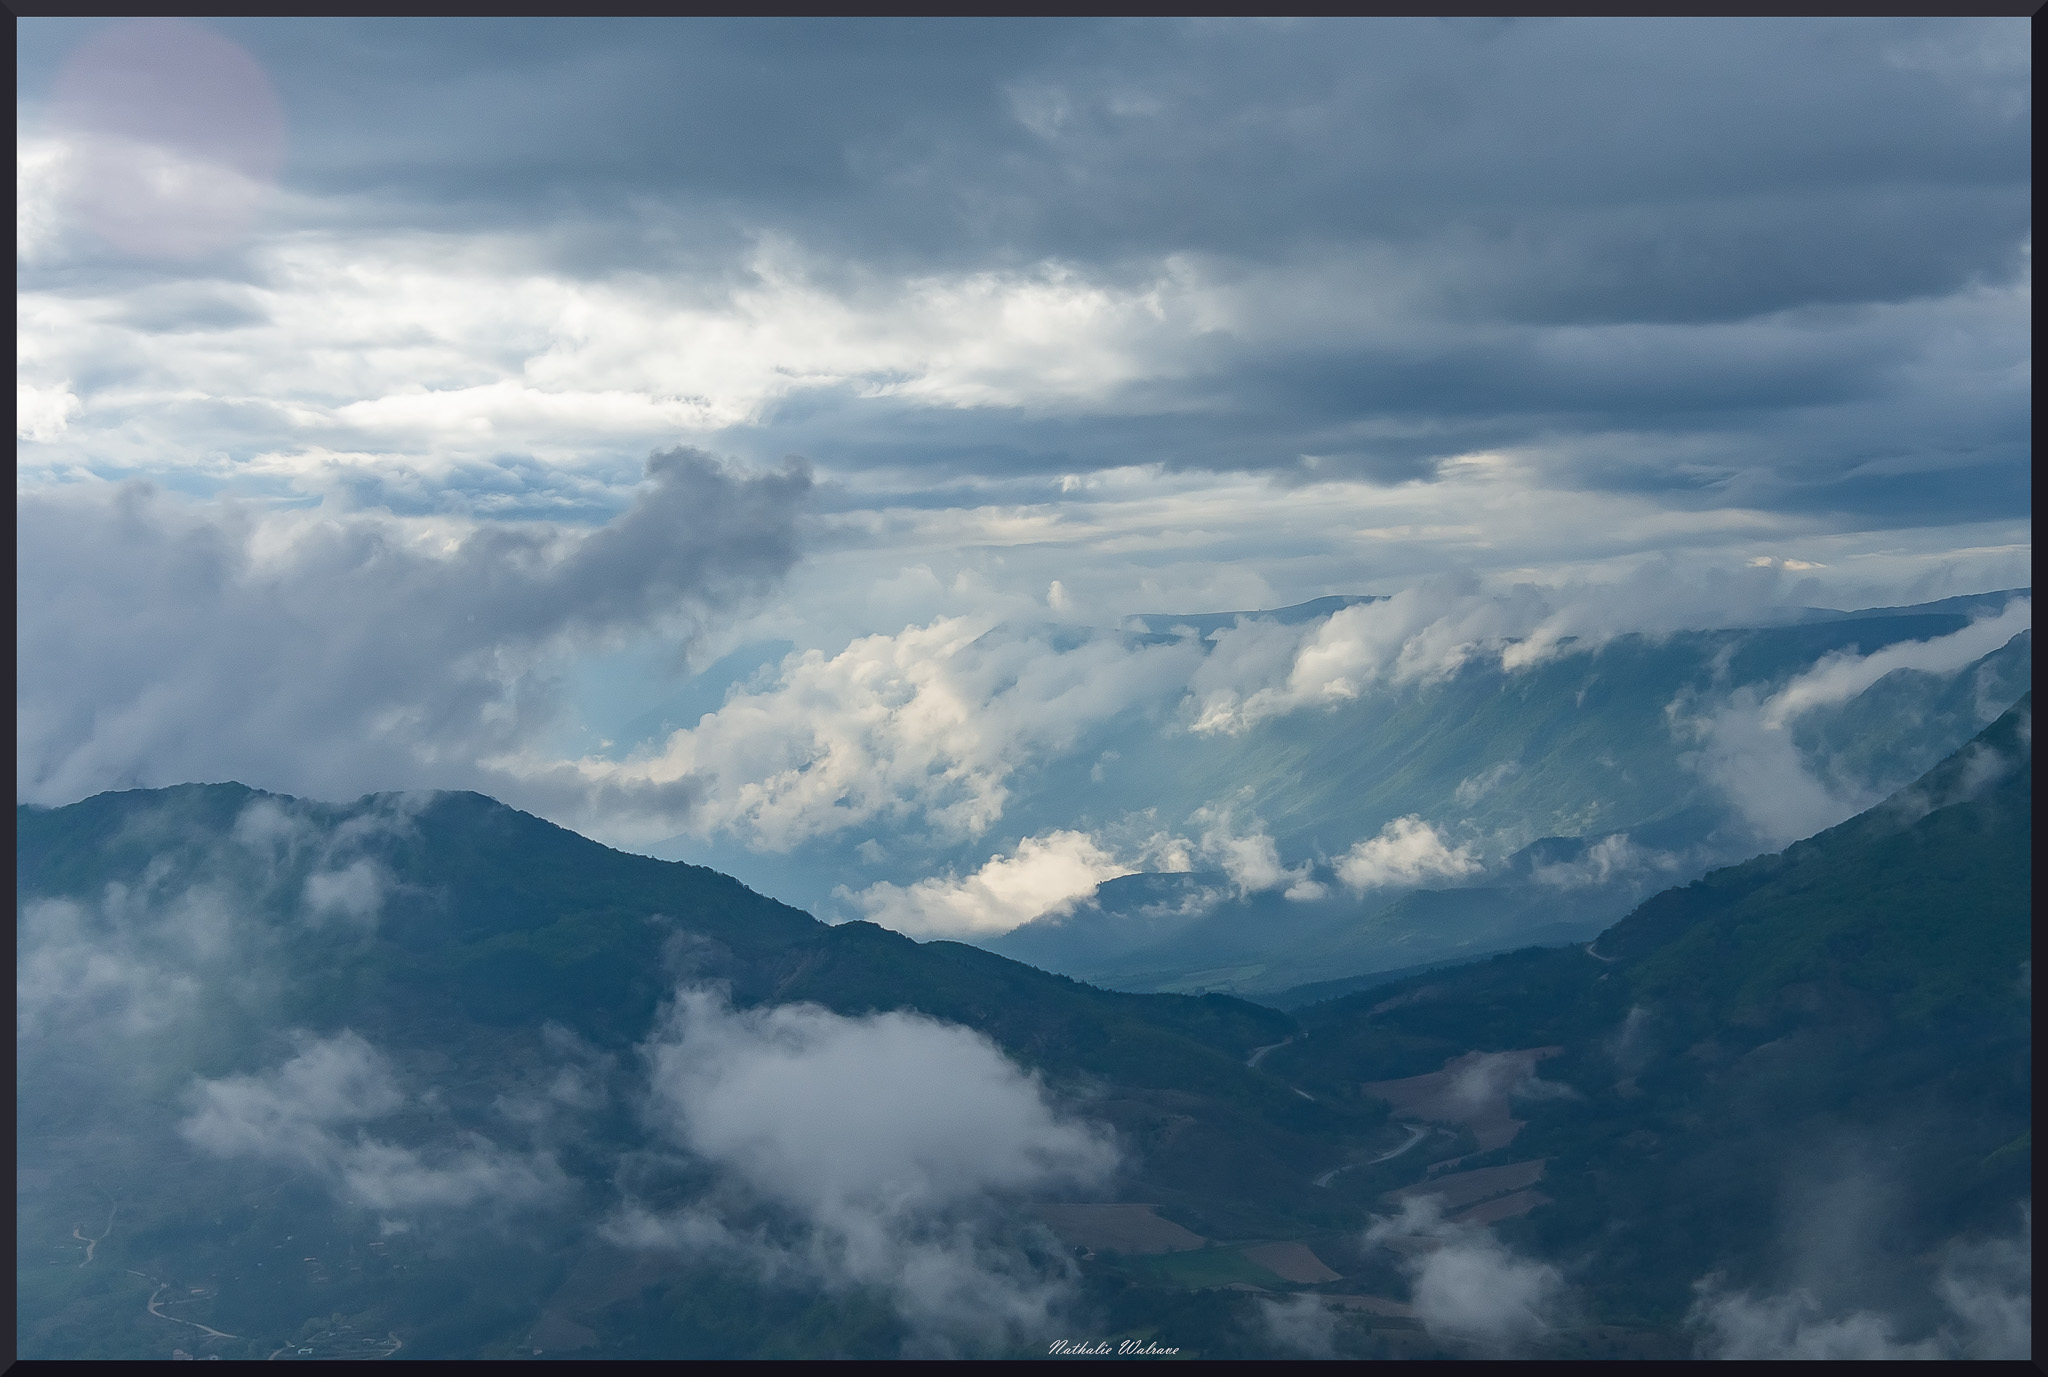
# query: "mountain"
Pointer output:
{"type": "Point", "coordinates": [424, 1075]}
{"type": "Point", "coordinates": [1574, 789]}
{"type": "Point", "coordinates": [1808, 1075]}
{"type": "Point", "coordinates": [188, 942]}
{"type": "Point", "coordinates": [1171, 626]}
{"type": "Point", "coordinates": [1194, 932]}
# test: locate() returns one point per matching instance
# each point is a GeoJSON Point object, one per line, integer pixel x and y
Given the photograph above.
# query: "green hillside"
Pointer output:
{"type": "Point", "coordinates": [496, 928]}
{"type": "Point", "coordinates": [1854, 1009]}
{"type": "Point", "coordinates": [1859, 1004]}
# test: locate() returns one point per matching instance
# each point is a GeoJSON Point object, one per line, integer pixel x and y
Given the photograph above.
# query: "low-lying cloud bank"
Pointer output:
{"type": "Point", "coordinates": [310, 1111]}
{"type": "Point", "coordinates": [881, 1145]}
{"type": "Point", "coordinates": [135, 965]}
{"type": "Point", "coordinates": [1049, 875]}
{"type": "Point", "coordinates": [1985, 1289]}
{"type": "Point", "coordinates": [1745, 743]}
{"type": "Point", "coordinates": [332, 653]}
{"type": "Point", "coordinates": [1468, 1288]}
{"type": "Point", "coordinates": [922, 728]}
{"type": "Point", "coordinates": [928, 729]}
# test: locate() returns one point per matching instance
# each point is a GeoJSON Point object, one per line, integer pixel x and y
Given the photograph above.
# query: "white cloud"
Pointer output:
{"type": "Point", "coordinates": [1477, 787]}
{"type": "Point", "coordinates": [887, 1136]}
{"type": "Point", "coordinates": [1746, 1327]}
{"type": "Point", "coordinates": [1985, 1286]}
{"type": "Point", "coordinates": [1250, 857]}
{"type": "Point", "coordinates": [1469, 1288]}
{"type": "Point", "coordinates": [355, 892]}
{"type": "Point", "coordinates": [39, 177]}
{"type": "Point", "coordinates": [1746, 743]}
{"type": "Point", "coordinates": [1607, 859]}
{"type": "Point", "coordinates": [923, 726]}
{"type": "Point", "coordinates": [42, 412]}
{"type": "Point", "coordinates": [1300, 1325]}
{"type": "Point", "coordinates": [151, 960]}
{"type": "Point", "coordinates": [414, 346]}
{"type": "Point", "coordinates": [1408, 851]}
{"type": "Point", "coordinates": [73, 975]}
{"type": "Point", "coordinates": [291, 1112]}
{"type": "Point", "coordinates": [298, 1112]}
{"type": "Point", "coordinates": [1048, 874]}
{"type": "Point", "coordinates": [1843, 675]}
{"type": "Point", "coordinates": [463, 1175]}
{"type": "Point", "coordinates": [1261, 670]}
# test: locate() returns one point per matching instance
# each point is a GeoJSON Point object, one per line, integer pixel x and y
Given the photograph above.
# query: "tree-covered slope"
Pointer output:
{"type": "Point", "coordinates": [419, 1070]}
{"type": "Point", "coordinates": [1824, 1051]}
{"type": "Point", "coordinates": [211, 940]}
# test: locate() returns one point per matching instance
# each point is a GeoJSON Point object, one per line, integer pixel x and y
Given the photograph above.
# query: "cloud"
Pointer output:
{"type": "Point", "coordinates": [923, 726]}
{"type": "Point", "coordinates": [176, 135]}
{"type": "Point", "coordinates": [298, 1114]}
{"type": "Point", "coordinates": [1489, 1078]}
{"type": "Point", "coordinates": [1477, 787]}
{"type": "Point", "coordinates": [925, 730]}
{"type": "Point", "coordinates": [1791, 1326]}
{"type": "Point", "coordinates": [1841, 676]}
{"type": "Point", "coordinates": [164, 640]}
{"type": "Point", "coordinates": [1985, 1287]}
{"type": "Point", "coordinates": [1609, 858]}
{"type": "Point", "coordinates": [355, 892]}
{"type": "Point", "coordinates": [72, 974]}
{"type": "Point", "coordinates": [196, 937]}
{"type": "Point", "coordinates": [1325, 250]}
{"type": "Point", "coordinates": [1747, 749]}
{"type": "Point", "coordinates": [1407, 851]}
{"type": "Point", "coordinates": [1469, 1288]}
{"type": "Point", "coordinates": [465, 1175]}
{"type": "Point", "coordinates": [43, 412]}
{"type": "Point", "coordinates": [1136, 309]}
{"type": "Point", "coordinates": [1048, 874]}
{"type": "Point", "coordinates": [1300, 1325]}
{"type": "Point", "coordinates": [886, 1138]}
{"type": "Point", "coordinates": [1981, 765]}
{"type": "Point", "coordinates": [1251, 858]}
{"type": "Point", "coordinates": [291, 1112]}
{"type": "Point", "coordinates": [1260, 669]}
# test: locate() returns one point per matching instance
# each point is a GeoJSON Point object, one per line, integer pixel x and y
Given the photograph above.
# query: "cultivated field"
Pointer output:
{"type": "Point", "coordinates": [1291, 1261]}
{"type": "Point", "coordinates": [1118, 1229]}
{"type": "Point", "coordinates": [1472, 1090]}
{"type": "Point", "coordinates": [1463, 1188]}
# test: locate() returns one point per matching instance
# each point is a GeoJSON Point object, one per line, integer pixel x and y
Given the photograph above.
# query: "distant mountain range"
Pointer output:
{"type": "Point", "coordinates": [424, 1075]}
{"type": "Point", "coordinates": [1575, 782]}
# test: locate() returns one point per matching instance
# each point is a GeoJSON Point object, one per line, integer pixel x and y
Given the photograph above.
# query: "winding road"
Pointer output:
{"type": "Point", "coordinates": [1415, 1135]}
{"type": "Point", "coordinates": [151, 1304]}
{"type": "Point", "coordinates": [1259, 1053]}
{"type": "Point", "coordinates": [92, 1244]}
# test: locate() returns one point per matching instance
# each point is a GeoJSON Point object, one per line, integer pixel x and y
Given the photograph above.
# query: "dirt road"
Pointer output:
{"type": "Point", "coordinates": [157, 1295]}
{"type": "Point", "coordinates": [92, 1244]}
{"type": "Point", "coordinates": [1415, 1135]}
{"type": "Point", "coordinates": [1259, 1053]}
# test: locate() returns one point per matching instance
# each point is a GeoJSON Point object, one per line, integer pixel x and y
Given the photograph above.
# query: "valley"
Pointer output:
{"type": "Point", "coordinates": [447, 1114]}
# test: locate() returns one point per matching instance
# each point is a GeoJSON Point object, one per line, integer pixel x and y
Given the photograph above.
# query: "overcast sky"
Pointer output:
{"type": "Point", "coordinates": [1064, 319]}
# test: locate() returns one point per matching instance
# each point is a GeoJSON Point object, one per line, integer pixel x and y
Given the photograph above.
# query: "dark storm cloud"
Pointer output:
{"type": "Point", "coordinates": [161, 640]}
{"type": "Point", "coordinates": [1700, 256]}
{"type": "Point", "coordinates": [1683, 170]}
